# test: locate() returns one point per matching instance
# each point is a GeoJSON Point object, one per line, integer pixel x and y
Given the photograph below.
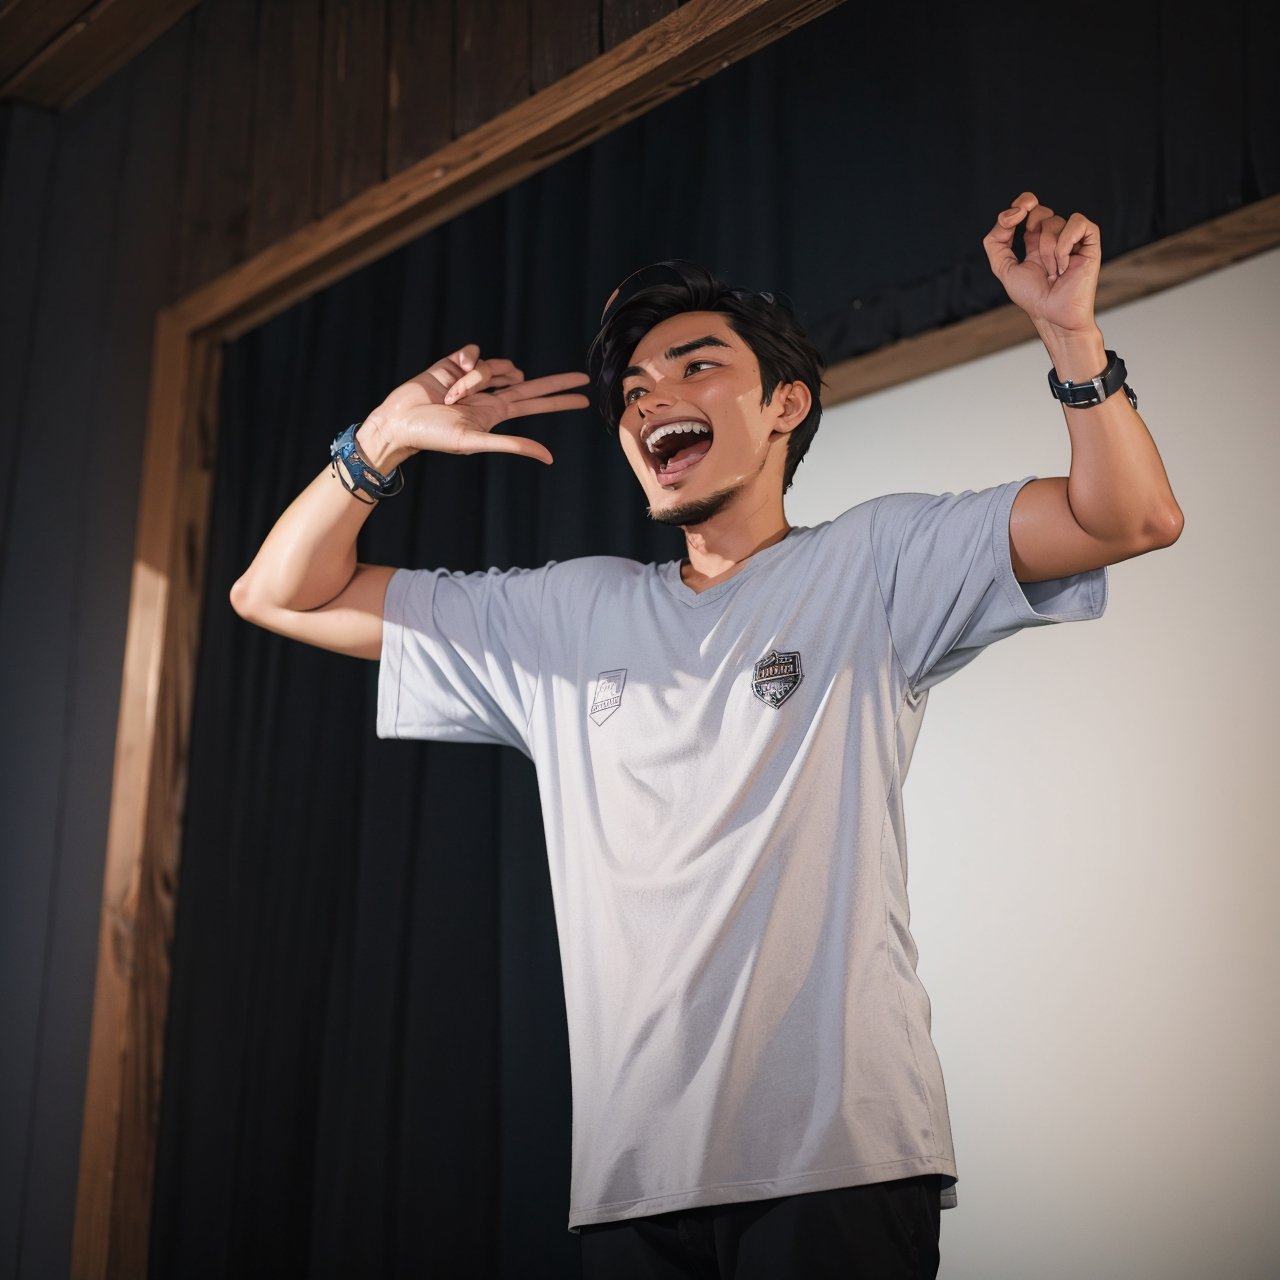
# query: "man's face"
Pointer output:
{"type": "Point", "coordinates": [692, 424]}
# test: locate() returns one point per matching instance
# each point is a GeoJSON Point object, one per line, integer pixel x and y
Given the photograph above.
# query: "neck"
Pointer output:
{"type": "Point", "coordinates": [717, 548]}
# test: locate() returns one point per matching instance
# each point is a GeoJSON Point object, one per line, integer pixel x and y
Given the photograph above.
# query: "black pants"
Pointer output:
{"type": "Point", "coordinates": [882, 1231]}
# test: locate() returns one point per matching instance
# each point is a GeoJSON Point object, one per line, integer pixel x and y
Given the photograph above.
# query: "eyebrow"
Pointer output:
{"type": "Point", "coordinates": [674, 353]}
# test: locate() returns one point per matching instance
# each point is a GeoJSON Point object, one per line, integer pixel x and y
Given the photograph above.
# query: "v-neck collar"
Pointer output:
{"type": "Point", "coordinates": [669, 574]}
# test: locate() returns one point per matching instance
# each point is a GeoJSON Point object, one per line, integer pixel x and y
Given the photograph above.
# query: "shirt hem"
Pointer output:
{"type": "Point", "coordinates": [765, 1189]}
{"type": "Point", "coordinates": [1095, 580]}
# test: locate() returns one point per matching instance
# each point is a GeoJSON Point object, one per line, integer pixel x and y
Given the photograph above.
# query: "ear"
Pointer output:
{"type": "Point", "coordinates": [793, 401]}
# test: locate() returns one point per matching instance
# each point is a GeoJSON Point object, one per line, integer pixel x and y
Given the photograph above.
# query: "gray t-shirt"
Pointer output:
{"type": "Point", "coordinates": [721, 779]}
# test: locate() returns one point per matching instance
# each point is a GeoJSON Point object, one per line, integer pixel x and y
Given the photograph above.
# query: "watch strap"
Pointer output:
{"type": "Point", "coordinates": [1092, 391]}
{"type": "Point", "coordinates": [346, 449]}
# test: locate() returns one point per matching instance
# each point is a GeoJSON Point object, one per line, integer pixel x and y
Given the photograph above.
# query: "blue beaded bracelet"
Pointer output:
{"type": "Point", "coordinates": [364, 478]}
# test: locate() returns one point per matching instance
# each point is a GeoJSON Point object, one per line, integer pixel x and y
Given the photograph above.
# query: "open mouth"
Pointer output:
{"type": "Point", "coordinates": [676, 447]}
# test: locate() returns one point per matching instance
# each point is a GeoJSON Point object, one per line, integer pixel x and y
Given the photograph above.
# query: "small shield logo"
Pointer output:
{"type": "Point", "coordinates": [777, 676]}
{"type": "Point", "coordinates": [608, 695]}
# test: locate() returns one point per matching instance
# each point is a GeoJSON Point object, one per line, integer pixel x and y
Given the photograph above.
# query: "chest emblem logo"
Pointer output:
{"type": "Point", "coordinates": [608, 695]}
{"type": "Point", "coordinates": [777, 676]}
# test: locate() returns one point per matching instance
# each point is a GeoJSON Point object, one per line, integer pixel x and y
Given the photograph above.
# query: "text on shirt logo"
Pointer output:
{"type": "Point", "coordinates": [608, 695]}
{"type": "Point", "coordinates": [777, 676]}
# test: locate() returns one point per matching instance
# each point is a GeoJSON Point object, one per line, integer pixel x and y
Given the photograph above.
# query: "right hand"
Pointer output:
{"type": "Point", "coordinates": [453, 407]}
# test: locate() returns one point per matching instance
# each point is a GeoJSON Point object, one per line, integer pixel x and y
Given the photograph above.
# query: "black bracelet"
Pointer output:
{"type": "Point", "coordinates": [1084, 395]}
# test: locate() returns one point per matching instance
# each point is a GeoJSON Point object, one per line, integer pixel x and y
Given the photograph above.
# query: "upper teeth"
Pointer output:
{"type": "Point", "coordinates": [661, 433]}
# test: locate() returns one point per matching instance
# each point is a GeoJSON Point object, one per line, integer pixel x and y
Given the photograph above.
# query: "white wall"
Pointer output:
{"type": "Point", "coordinates": [1094, 869]}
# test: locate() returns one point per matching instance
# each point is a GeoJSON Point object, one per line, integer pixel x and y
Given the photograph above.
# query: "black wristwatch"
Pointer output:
{"type": "Point", "coordinates": [1084, 395]}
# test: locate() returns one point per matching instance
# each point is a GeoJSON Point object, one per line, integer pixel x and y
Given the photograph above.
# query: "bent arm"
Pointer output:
{"type": "Point", "coordinates": [304, 582]}
{"type": "Point", "coordinates": [1116, 503]}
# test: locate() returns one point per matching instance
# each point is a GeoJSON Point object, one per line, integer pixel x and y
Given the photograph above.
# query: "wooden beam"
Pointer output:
{"type": "Point", "coordinates": [122, 1102]}
{"type": "Point", "coordinates": [26, 28]}
{"type": "Point", "coordinates": [1167, 262]}
{"type": "Point", "coordinates": [685, 48]}
{"type": "Point", "coordinates": [81, 44]}
{"type": "Point", "coordinates": [117, 1151]}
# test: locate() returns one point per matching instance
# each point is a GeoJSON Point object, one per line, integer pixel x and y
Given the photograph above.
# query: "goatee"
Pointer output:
{"type": "Point", "coordinates": [695, 513]}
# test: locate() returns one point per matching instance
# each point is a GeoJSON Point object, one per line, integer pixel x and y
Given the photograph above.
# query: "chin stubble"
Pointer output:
{"type": "Point", "coordinates": [695, 513]}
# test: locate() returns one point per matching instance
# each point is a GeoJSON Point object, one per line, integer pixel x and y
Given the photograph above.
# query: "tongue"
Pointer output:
{"type": "Point", "coordinates": [684, 458]}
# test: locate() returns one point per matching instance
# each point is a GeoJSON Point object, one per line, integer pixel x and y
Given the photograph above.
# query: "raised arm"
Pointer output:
{"type": "Point", "coordinates": [1117, 502]}
{"type": "Point", "coordinates": [305, 582]}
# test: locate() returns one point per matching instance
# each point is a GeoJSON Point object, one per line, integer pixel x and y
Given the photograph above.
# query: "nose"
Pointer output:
{"type": "Point", "coordinates": [659, 396]}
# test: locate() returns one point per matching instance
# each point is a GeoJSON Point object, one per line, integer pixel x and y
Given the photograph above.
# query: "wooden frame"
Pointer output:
{"type": "Point", "coordinates": [149, 783]}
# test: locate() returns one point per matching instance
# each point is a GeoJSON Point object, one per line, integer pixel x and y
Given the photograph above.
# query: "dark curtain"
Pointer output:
{"type": "Point", "coordinates": [366, 1066]}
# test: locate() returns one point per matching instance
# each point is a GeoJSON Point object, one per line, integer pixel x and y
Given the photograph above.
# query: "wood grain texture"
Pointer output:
{"type": "Point", "coordinates": [26, 28]}
{"type": "Point", "coordinates": [143, 835]}
{"type": "Point", "coordinates": [563, 36]}
{"type": "Point", "coordinates": [1167, 262]}
{"type": "Point", "coordinates": [102, 38]}
{"type": "Point", "coordinates": [697, 40]}
{"type": "Point", "coordinates": [621, 19]}
{"type": "Point", "coordinates": [286, 121]}
{"type": "Point", "coordinates": [220, 105]}
{"type": "Point", "coordinates": [490, 60]}
{"type": "Point", "coordinates": [419, 80]}
{"type": "Point", "coordinates": [353, 101]}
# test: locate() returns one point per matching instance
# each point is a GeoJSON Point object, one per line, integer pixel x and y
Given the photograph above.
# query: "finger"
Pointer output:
{"type": "Point", "coordinates": [521, 445]}
{"type": "Point", "coordinates": [443, 374]}
{"type": "Point", "coordinates": [467, 383]}
{"type": "Point", "coordinates": [456, 363]}
{"type": "Point", "coordinates": [548, 385]}
{"type": "Point", "coordinates": [443, 371]}
{"type": "Point", "coordinates": [546, 404]}
{"type": "Point", "coordinates": [1036, 219]}
{"type": "Point", "coordinates": [1080, 239]}
{"type": "Point", "coordinates": [487, 373]}
{"type": "Point", "coordinates": [998, 242]}
{"type": "Point", "coordinates": [448, 369]}
{"type": "Point", "coordinates": [466, 356]}
{"type": "Point", "coordinates": [503, 373]}
{"type": "Point", "coordinates": [1047, 244]}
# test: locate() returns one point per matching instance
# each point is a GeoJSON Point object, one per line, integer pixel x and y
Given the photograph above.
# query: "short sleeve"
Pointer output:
{"type": "Point", "coordinates": [460, 655]}
{"type": "Point", "coordinates": [946, 579]}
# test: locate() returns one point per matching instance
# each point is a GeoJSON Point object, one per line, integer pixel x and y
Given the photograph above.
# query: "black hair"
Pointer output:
{"type": "Point", "coordinates": [764, 321]}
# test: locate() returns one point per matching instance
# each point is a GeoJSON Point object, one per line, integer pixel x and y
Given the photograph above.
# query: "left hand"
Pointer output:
{"type": "Point", "coordinates": [1056, 282]}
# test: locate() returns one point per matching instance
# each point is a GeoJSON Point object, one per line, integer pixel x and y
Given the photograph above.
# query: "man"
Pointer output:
{"type": "Point", "coordinates": [721, 745]}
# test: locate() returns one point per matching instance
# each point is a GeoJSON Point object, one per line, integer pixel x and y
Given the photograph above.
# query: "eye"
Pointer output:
{"type": "Point", "coordinates": [694, 365]}
{"type": "Point", "coordinates": [629, 396]}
